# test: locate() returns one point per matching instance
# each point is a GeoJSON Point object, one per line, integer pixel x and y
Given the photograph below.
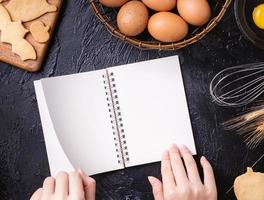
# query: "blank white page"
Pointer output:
{"type": "Point", "coordinates": [78, 109]}
{"type": "Point", "coordinates": [57, 158]}
{"type": "Point", "coordinates": [153, 107]}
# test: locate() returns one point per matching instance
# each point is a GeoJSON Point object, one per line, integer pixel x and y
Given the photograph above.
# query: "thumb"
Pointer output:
{"type": "Point", "coordinates": [156, 187]}
{"type": "Point", "coordinates": [89, 186]}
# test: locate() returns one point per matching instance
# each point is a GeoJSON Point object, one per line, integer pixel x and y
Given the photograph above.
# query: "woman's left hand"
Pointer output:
{"type": "Point", "coordinates": [73, 186]}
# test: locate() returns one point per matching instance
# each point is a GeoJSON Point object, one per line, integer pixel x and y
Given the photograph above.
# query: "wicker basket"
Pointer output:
{"type": "Point", "coordinates": [108, 17]}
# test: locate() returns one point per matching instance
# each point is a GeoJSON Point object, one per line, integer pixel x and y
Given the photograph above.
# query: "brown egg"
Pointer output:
{"type": "Point", "coordinates": [167, 27]}
{"type": "Point", "coordinates": [195, 12]}
{"type": "Point", "coordinates": [132, 18]}
{"type": "Point", "coordinates": [160, 5]}
{"type": "Point", "coordinates": [113, 3]}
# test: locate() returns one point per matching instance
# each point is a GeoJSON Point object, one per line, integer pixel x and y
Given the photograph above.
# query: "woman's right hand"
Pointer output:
{"type": "Point", "coordinates": [180, 184]}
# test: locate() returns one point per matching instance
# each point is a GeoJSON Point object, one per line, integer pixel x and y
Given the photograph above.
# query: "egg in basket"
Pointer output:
{"type": "Point", "coordinates": [156, 24]}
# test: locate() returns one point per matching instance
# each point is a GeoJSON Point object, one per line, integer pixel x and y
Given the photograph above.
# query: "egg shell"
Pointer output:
{"type": "Point", "coordinates": [113, 3]}
{"type": "Point", "coordinates": [132, 18]}
{"type": "Point", "coordinates": [160, 5]}
{"type": "Point", "coordinates": [195, 12]}
{"type": "Point", "coordinates": [167, 27]}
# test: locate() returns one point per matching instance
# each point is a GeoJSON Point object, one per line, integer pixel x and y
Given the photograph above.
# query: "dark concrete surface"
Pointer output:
{"type": "Point", "coordinates": [82, 44]}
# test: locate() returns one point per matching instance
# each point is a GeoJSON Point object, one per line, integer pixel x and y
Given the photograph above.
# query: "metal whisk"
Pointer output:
{"type": "Point", "coordinates": [239, 85]}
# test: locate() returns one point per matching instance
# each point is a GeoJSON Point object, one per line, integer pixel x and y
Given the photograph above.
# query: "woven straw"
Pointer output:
{"type": "Point", "coordinates": [108, 17]}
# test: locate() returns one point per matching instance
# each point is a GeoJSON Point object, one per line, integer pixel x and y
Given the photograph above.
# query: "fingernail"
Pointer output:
{"type": "Point", "coordinates": [81, 172]}
{"type": "Point", "coordinates": [165, 155]}
{"type": "Point", "coordinates": [203, 159]}
{"type": "Point", "coordinates": [184, 148]}
{"type": "Point", "coordinates": [174, 146]}
{"type": "Point", "coordinates": [150, 178]}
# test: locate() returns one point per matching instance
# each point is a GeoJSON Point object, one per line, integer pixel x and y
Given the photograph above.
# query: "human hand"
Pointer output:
{"type": "Point", "coordinates": [73, 186]}
{"type": "Point", "coordinates": [181, 184]}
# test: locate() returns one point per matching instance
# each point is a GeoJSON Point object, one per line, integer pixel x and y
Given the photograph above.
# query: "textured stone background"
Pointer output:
{"type": "Point", "coordinates": [82, 44]}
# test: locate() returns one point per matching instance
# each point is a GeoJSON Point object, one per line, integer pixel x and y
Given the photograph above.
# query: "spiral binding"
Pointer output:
{"type": "Point", "coordinates": [116, 118]}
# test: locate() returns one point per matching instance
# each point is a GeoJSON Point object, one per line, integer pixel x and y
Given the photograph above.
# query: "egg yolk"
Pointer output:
{"type": "Point", "coordinates": [258, 16]}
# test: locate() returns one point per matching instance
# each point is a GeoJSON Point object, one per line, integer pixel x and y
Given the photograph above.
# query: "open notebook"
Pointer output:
{"type": "Point", "coordinates": [114, 118]}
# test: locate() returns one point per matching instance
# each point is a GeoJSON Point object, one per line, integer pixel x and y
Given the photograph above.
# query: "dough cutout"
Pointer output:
{"type": "Point", "coordinates": [4, 17]}
{"type": "Point", "coordinates": [14, 33]}
{"type": "Point", "coordinates": [39, 31]}
{"type": "Point", "coordinates": [28, 10]}
{"type": "Point", "coordinates": [249, 186]}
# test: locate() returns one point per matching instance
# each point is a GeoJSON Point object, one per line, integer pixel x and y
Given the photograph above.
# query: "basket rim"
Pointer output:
{"type": "Point", "coordinates": [156, 45]}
